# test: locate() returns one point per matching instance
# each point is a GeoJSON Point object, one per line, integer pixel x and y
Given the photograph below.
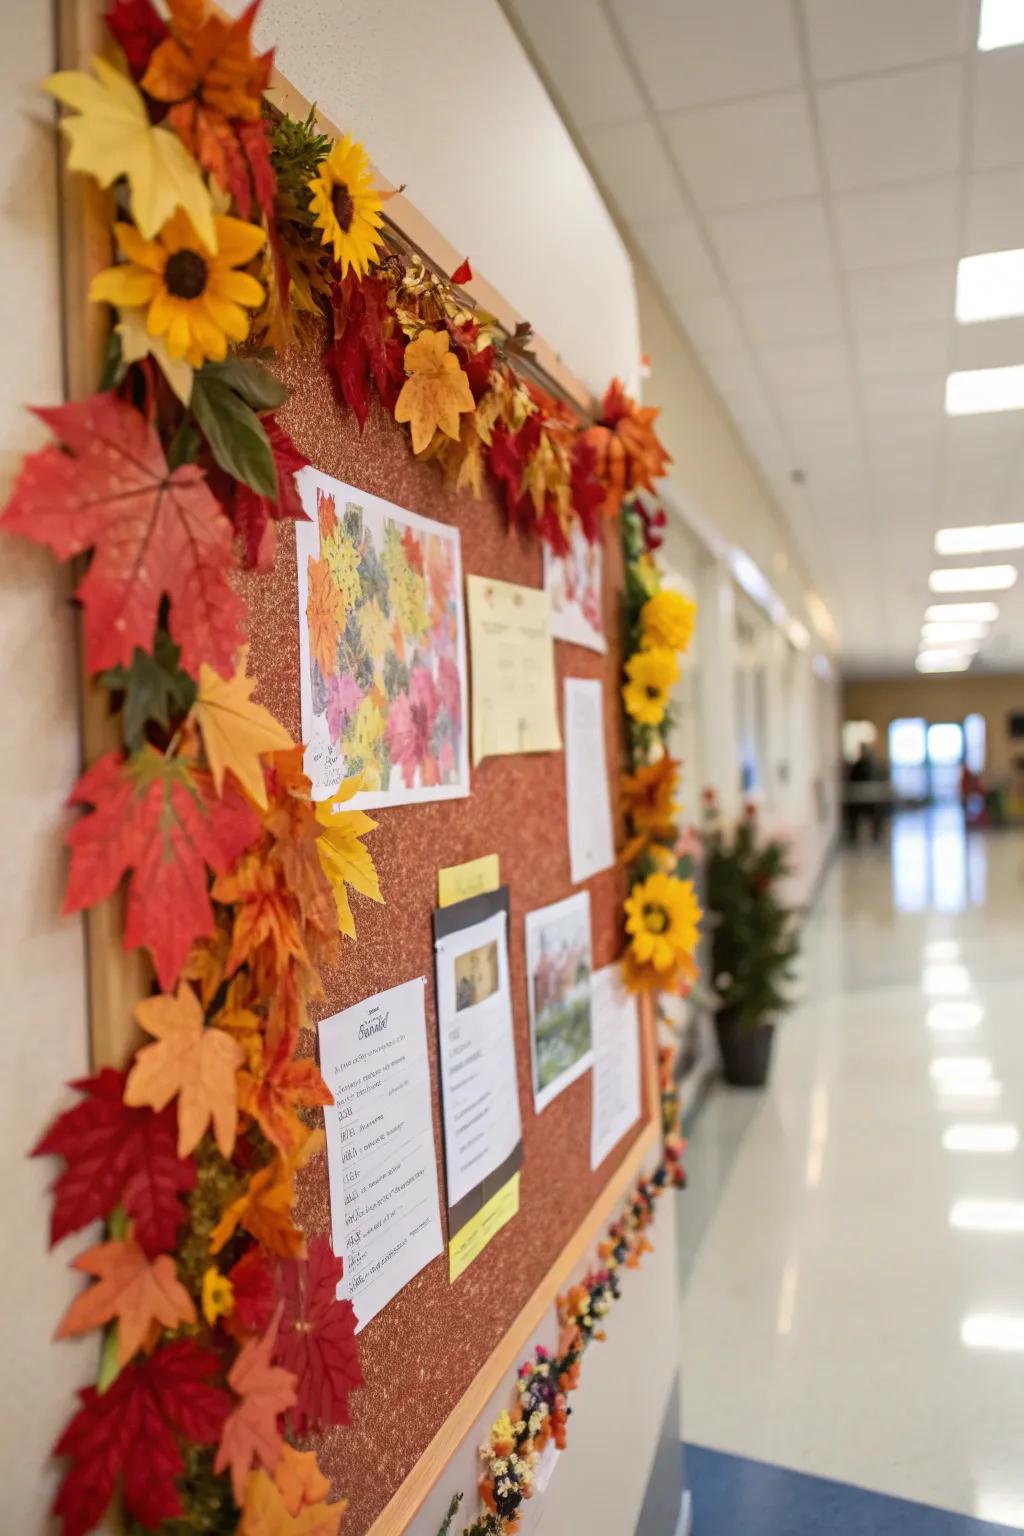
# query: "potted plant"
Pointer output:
{"type": "Point", "coordinates": [753, 939]}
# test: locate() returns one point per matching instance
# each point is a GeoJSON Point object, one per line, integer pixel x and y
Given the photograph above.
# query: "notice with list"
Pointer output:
{"type": "Point", "coordinates": [385, 1213]}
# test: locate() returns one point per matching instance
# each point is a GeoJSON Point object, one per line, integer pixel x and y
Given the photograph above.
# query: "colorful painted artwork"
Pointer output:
{"type": "Point", "coordinates": [382, 642]}
{"type": "Point", "coordinates": [574, 582]}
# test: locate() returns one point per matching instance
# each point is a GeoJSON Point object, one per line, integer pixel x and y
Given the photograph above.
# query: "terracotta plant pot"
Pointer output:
{"type": "Point", "coordinates": [746, 1051]}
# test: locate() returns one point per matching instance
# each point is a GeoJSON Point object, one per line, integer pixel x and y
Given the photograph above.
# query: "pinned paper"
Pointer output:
{"type": "Point", "coordinates": [513, 671]}
{"type": "Point", "coordinates": [461, 881]}
{"type": "Point", "coordinates": [470, 1242]}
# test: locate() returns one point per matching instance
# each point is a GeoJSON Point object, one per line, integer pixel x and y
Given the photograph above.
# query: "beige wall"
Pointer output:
{"type": "Point", "coordinates": [43, 1041]}
{"type": "Point", "coordinates": [949, 697]}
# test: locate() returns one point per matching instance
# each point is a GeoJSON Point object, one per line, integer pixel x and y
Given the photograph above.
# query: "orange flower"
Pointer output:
{"type": "Point", "coordinates": [265, 933]}
{"type": "Point", "coordinates": [629, 456]}
{"type": "Point", "coordinates": [644, 978]}
{"type": "Point", "coordinates": [321, 614]}
{"type": "Point", "coordinates": [647, 799]}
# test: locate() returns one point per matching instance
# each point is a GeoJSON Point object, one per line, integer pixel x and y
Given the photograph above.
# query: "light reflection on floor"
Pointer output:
{"type": "Point", "coordinates": [854, 1302]}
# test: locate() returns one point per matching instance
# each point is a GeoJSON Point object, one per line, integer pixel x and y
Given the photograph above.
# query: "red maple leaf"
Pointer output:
{"type": "Point", "coordinates": [254, 515]}
{"type": "Point", "coordinates": [130, 1433]}
{"type": "Point", "coordinates": [364, 344]}
{"type": "Point", "coordinates": [164, 821]}
{"type": "Point", "coordinates": [317, 1338]}
{"type": "Point", "coordinates": [254, 1293]}
{"type": "Point", "coordinates": [506, 460]}
{"type": "Point", "coordinates": [138, 27]}
{"type": "Point", "coordinates": [585, 489]}
{"type": "Point", "coordinates": [255, 140]}
{"type": "Point", "coordinates": [153, 532]}
{"type": "Point", "coordinates": [115, 1155]}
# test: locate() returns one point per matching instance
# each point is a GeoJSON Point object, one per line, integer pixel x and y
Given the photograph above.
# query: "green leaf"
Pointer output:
{"type": "Point", "coordinates": [235, 435]}
{"type": "Point", "coordinates": [154, 687]}
{"type": "Point", "coordinates": [184, 446]}
{"type": "Point", "coordinates": [257, 387]}
{"type": "Point", "coordinates": [110, 1368]}
{"type": "Point", "coordinates": [114, 366]}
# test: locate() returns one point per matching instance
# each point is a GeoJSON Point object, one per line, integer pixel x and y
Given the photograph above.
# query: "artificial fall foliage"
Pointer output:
{"type": "Point", "coordinates": [221, 1326]}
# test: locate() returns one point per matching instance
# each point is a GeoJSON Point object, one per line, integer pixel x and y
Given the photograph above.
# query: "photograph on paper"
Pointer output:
{"type": "Point", "coordinates": [558, 964]}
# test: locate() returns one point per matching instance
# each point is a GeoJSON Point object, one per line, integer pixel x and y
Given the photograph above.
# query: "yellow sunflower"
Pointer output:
{"type": "Point", "coordinates": [196, 300]}
{"type": "Point", "coordinates": [651, 675]}
{"type": "Point", "coordinates": [218, 1295]}
{"type": "Point", "coordinates": [668, 618]}
{"type": "Point", "coordinates": [662, 914]}
{"type": "Point", "coordinates": [347, 207]}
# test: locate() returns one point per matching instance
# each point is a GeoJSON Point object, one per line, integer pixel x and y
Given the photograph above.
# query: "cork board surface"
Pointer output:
{"type": "Point", "coordinates": [421, 1353]}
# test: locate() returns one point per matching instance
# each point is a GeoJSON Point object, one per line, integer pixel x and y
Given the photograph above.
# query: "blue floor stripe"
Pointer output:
{"type": "Point", "coordinates": [736, 1497]}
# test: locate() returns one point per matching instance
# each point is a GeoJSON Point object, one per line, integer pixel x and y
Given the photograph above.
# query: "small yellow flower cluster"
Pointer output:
{"type": "Point", "coordinates": [666, 620]}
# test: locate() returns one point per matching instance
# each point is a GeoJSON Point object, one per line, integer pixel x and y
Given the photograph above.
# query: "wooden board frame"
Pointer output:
{"type": "Point", "coordinates": [117, 981]}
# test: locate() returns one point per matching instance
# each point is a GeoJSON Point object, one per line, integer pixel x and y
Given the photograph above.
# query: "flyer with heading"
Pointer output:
{"type": "Point", "coordinates": [385, 1209]}
{"type": "Point", "coordinates": [591, 842]}
{"type": "Point", "coordinates": [616, 1077]}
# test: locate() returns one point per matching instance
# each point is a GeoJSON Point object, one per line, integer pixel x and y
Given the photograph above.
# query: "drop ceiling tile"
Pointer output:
{"type": "Point", "coordinates": [631, 163]}
{"type": "Point", "coordinates": [678, 256]}
{"type": "Point", "coordinates": [919, 349]}
{"type": "Point", "coordinates": [992, 344]}
{"type": "Point", "coordinates": [806, 408]}
{"type": "Point", "coordinates": [998, 137]}
{"type": "Point", "coordinates": [897, 225]}
{"type": "Point", "coordinates": [732, 374]}
{"type": "Point", "coordinates": [581, 55]}
{"type": "Point", "coordinates": [687, 53]}
{"type": "Point", "coordinates": [892, 128]}
{"type": "Point", "coordinates": [806, 364]}
{"type": "Point", "coordinates": [778, 242]}
{"type": "Point", "coordinates": [995, 212]}
{"type": "Point", "coordinates": [893, 297]}
{"type": "Point", "coordinates": [870, 35]}
{"type": "Point", "coordinates": [903, 397]}
{"type": "Point", "coordinates": [755, 151]}
{"type": "Point", "coordinates": [781, 312]}
{"type": "Point", "coordinates": [710, 323]}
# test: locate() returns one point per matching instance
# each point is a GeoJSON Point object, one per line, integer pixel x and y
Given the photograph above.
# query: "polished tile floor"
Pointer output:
{"type": "Point", "coordinates": [854, 1257]}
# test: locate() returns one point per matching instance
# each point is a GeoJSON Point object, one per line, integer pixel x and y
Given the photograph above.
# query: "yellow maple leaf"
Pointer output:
{"type": "Point", "coordinates": [343, 858]}
{"type": "Point", "coordinates": [436, 391]}
{"type": "Point", "coordinates": [112, 136]}
{"type": "Point", "coordinates": [237, 732]}
{"type": "Point", "coordinates": [265, 1511]}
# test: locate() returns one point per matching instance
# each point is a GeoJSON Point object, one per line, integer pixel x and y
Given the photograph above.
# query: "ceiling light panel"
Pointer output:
{"type": "Point", "coordinates": [983, 613]}
{"type": "Point", "coordinates": [990, 287]}
{"type": "Point", "coordinates": [1001, 24]}
{"type": "Point", "coordinates": [934, 633]}
{"type": "Point", "coordinates": [985, 539]}
{"type": "Point", "coordinates": [976, 391]}
{"type": "Point", "coordinates": [942, 661]}
{"type": "Point", "coordinates": [973, 578]}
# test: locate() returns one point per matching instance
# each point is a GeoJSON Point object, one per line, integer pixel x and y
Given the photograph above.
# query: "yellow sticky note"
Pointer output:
{"type": "Point", "coordinates": [461, 881]}
{"type": "Point", "coordinates": [513, 671]}
{"type": "Point", "coordinates": [470, 1243]}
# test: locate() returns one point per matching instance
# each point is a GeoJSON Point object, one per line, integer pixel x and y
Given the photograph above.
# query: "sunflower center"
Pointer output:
{"type": "Point", "coordinates": [185, 274]}
{"type": "Point", "coordinates": [344, 207]}
{"type": "Point", "coordinates": [652, 692]}
{"type": "Point", "coordinates": [655, 917]}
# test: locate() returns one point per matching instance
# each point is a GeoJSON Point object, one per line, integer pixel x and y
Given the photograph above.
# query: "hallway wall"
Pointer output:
{"type": "Point", "coordinates": [42, 965]}
{"type": "Point", "coordinates": [948, 697]}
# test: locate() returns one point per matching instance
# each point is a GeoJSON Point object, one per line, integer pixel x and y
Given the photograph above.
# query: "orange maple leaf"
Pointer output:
{"type": "Point", "coordinates": [299, 1480]}
{"type": "Point", "coordinates": [265, 933]}
{"type": "Point", "coordinates": [251, 1431]}
{"type": "Point", "coordinates": [272, 1090]}
{"type": "Point", "coordinates": [264, 1208]}
{"type": "Point", "coordinates": [266, 1512]}
{"type": "Point", "coordinates": [139, 1292]}
{"type": "Point", "coordinates": [188, 1060]}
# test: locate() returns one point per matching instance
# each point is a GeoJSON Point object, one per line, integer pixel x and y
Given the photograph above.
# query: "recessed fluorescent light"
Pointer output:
{"type": "Point", "coordinates": [1001, 24]}
{"type": "Point", "coordinates": [962, 1069]}
{"type": "Point", "coordinates": [973, 578]}
{"type": "Point", "coordinates": [983, 1088]}
{"type": "Point", "coordinates": [981, 1138]}
{"type": "Point", "coordinates": [941, 979]}
{"type": "Point", "coordinates": [988, 1216]}
{"type": "Point", "coordinates": [934, 633]}
{"type": "Point", "coordinates": [975, 391]}
{"type": "Point", "coordinates": [984, 613]}
{"type": "Point", "coordinates": [943, 661]}
{"type": "Point", "coordinates": [990, 287]}
{"type": "Point", "coordinates": [950, 1015]}
{"type": "Point", "coordinates": [989, 1330]}
{"type": "Point", "coordinates": [982, 540]}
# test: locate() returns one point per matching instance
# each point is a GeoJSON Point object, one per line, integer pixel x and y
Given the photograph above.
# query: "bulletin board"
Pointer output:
{"type": "Point", "coordinates": [437, 1352]}
{"type": "Point", "coordinates": [423, 1353]}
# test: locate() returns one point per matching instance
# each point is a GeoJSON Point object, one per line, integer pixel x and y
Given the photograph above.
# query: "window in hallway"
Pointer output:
{"type": "Point", "coordinates": [945, 757]}
{"type": "Point", "coordinates": [908, 758]}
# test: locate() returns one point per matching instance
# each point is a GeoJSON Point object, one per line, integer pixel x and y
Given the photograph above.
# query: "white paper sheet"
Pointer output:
{"type": "Point", "coordinates": [616, 1078]}
{"type": "Point", "coordinates": [385, 1210]}
{"type": "Point", "coordinates": [574, 583]}
{"type": "Point", "coordinates": [478, 1061]}
{"type": "Point", "coordinates": [591, 844]}
{"type": "Point", "coordinates": [558, 962]}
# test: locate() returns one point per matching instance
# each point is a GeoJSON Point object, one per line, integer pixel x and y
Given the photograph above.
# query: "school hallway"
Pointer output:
{"type": "Point", "coordinates": [853, 1250]}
